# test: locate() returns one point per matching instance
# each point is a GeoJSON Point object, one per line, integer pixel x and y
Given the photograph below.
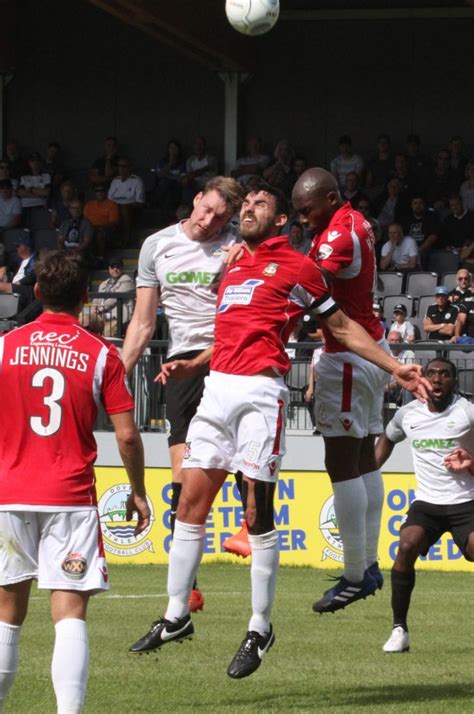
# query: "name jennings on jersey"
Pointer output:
{"type": "Point", "coordinates": [53, 350]}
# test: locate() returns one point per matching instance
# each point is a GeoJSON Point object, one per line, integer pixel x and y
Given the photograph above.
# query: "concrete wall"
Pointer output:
{"type": "Point", "coordinates": [81, 74]}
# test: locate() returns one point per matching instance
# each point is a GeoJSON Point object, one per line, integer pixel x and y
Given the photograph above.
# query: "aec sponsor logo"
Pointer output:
{"type": "Point", "coordinates": [118, 533]}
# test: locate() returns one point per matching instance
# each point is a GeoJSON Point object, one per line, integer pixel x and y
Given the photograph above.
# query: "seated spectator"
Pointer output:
{"type": "Point", "coordinates": [60, 205]}
{"type": "Point", "coordinates": [278, 171]}
{"type": "Point", "coordinates": [5, 175]}
{"type": "Point", "coordinates": [102, 315]}
{"type": "Point", "coordinates": [458, 159]}
{"type": "Point", "coordinates": [392, 204]}
{"type": "Point", "coordinates": [16, 162]}
{"type": "Point", "coordinates": [364, 207]}
{"type": "Point", "coordinates": [400, 252]}
{"type": "Point", "coordinates": [23, 278]}
{"type": "Point", "coordinates": [423, 226]}
{"type": "Point", "coordinates": [128, 191]}
{"type": "Point", "coordinates": [419, 165]}
{"type": "Point", "coordinates": [458, 228]}
{"type": "Point", "coordinates": [401, 325]}
{"type": "Point", "coordinates": [352, 192]}
{"type": "Point", "coordinates": [440, 318]}
{"type": "Point", "coordinates": [380, 167]}
{"type": "Point", "coordinates": [298, 167]}
{"type": "Point", "coordinates": [440, 183]}
{"type": "Point", "coordinates": [104, 169]}
{"type": "Point", "coordinates": [169, 174]}
{"type": "Point", "coordinates": [464, 327]}
{"type": "Point", "coordinates": [377, 309]}
{"type": "Point", "coordinates": [297, 238]}
{"type": "Point", "coordinates": [10, 206]}
{"type": "Point", "coordinates": [394, 391]}
{"type": "Point", "coordinates": [345, 162]}
{"type": "Point", "coordinates": [251, 165]}
{"type": "Point", "coordinates": [53, 164]}
{"type": "Point", "coordinates": [200, 168]}
{"type": "Point", "coordinates": [104, 215]}
{"type": "Point", "coordinates": [77, 232]}
{"type": "Point", "coordinates": [467, 188]}
{"type": "Point", "coordinates": [462, 292]}
{"type": "Point", "coordinates": [35, 186]}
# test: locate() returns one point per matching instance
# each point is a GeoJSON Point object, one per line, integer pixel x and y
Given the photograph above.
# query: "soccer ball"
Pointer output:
{"type": "Point", "coordinates": [252, 17]}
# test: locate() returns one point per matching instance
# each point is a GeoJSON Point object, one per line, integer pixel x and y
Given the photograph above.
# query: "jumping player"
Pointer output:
{"type": "Point", "coordinates": [179, 266]}
{"type": "Point", "coordinates": [441, 437]}
{"type": "Point", "coordinates": [349, 391]}
{"type": "Point", "coordinates": [53, 376]}
{"type": "Point", "coordinates": [239, 424]}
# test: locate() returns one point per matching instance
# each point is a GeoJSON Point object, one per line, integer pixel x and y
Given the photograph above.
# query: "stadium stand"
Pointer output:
{"type": "Point", "coordinates": [421, 283]}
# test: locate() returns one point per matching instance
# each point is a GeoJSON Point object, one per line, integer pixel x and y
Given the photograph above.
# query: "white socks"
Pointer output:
{"type": "Point", "coordinates": [265, 558]}
{"type": "Point", "coordinates": [185, 556]}
{"type": "Point", "coordinates": [70, 665]}
{"type": "Point", "coordinates": [9, 637]}
{"type": "Point", "coordinates": [350, 504]}
{"type": "Point", "coordinates": [373, 483]}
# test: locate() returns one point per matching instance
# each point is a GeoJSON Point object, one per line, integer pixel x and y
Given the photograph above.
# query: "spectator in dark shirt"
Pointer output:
{"type": "Point", "coordinates": [77, 232]}
{"type": "Point", "coordinates": [352, 192]}
{"type": "Point", "coordinates": [464, 327]}
{"type": "Point", "coordinates": [169, 173]}
{"type": "Point", "coordinates": [297, 238]}
{"type": "Point", "coordinates": [23, 277]}
{"type": "Point", "coordinates": [298, 167]}
{"type": "Point", "coordinates": [440, 318]}
{"type": "Point", "coordinates": [462, 292]}
{"type": "Point", "coordinates": [419, 165]}
{"type": "Point", "coordinates": [423, 226]}
{"type": "Point", "coordinates": [458, 228]}
{"type": "Point", "coordinates": [17, 163]}
{"type": "Point", "coordinates": [380, 167]}
{"type": "Point", "coordinates": [440, 183]}
{"type": "Point", "coordinates": [401, 171]}
{"type": "Point", "coordinates": [104, 169]}
{"type": "Point", "coordinates": [458, 159]}
{"type": "Point", "coordinates": [60, 205]}
{"type": "Point", "coordinates": [53, 164]}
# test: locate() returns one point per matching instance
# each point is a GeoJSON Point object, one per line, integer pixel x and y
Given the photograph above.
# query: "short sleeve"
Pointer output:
{"type": "Point", "coordinates": [394, 429]}
{"type": "Point", "coordinates": [385, 249]}
{"type": "Point", "coordinates": [410, 329]}
{"type": "Point", "coordinates": [147, 277]}
{"type": "Point", "coordinates": [334, 251]}
{"type": "Point", "coordinates": [116, 395]}
{"type": "Point", "coordinates": [412, 249]}
{"type": "Point", "coordinates": [139, 191]}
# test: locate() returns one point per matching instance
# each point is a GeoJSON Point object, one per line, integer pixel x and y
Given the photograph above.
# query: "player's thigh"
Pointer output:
{"type": "Point", "coordinates": [342, 455]}
{"type": "Point", "coordinates": [69, 604]}
{"type": "Point", "coordinates": [258, 428]}
{"type": "Point", "coordinates": [176, 458]}
{"type": "Point", "coordinates": [423, 526]}
{"type": "Point", "coordinates": [14, 602]}
{"type": "Point", "coordinates": [19, 545]}
{"type": "Point", "coordinates": [199, 489]}
{"type": "Point", "coordinates": [71, 553]}
{"type": "Point", "coordinates": [367, 461]}
{"type": "Point", "coordinates": [182, 400]}
{"type": "Point", "coordinates": [461, 526]}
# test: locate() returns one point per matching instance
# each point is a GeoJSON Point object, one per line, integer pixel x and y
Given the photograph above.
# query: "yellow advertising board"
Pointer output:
{"type": "Point", "coordinates": [304, 516]}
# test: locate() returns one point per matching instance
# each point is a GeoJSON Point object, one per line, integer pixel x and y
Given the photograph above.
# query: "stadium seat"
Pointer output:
{"type": "Point", "coordinates": [423, 356]}
{"type": "Point", "coordinates": [37, 220]}
{"type": "Point", "coordinates": [443, 261]}
{"type": "Point", "coordinates": [421, 283]}
{"type": "Point", "coordinates": [391, 300]}
{"type": "Point", "coordinates": [417, 323]}
{"type": "Point", "coordinates": [389, 284]}
{"type": "Point", "coordinates": [449, 280]}
{"type": "Point", "coordinates": [46, 238]}
{"type": "Point", "coordinates": [8, 305]}
{"type": "Point", "coordinates": [462, 359]}
{"type": "Point", "coordinates": [423, 303]}
{"type": "Point", "coordinates": [466, 383]}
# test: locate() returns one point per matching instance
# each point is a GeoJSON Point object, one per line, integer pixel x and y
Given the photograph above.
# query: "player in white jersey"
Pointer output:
{"type": "Point", "coordinates": [441, 437]}
{"type": "Point", "coordinates": [179, 267]}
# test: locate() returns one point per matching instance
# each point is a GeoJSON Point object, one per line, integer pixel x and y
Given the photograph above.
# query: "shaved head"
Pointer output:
{"type": "Point", "coordinates": [316, 197]}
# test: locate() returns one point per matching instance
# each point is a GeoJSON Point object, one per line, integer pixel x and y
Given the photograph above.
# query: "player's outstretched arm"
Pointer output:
{"type": "Point", "coordinates": [356, 339]}
{"type": "Point", "coordinates": [383, 450]}
{"type": "Point", "coordinates": [141, 328]}
{"type": "Point", "coordinates": [180, 368]}
{"type": "Point", "coordinates": [131, 450]}
{"type": "Point", "coordinates": [459, 460]}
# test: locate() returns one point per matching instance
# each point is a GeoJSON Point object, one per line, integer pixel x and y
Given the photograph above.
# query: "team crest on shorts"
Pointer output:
{"type": "Point", "coordinates": [346, 423]}
{"type": "Point", "coordinates": [118, 533]}
{"type": "Point", "coordinates": [74, 566]}
{"type": "Point", "coordinates": [330, 532]}
{"type": "Point", "coordinates": [271, 269]}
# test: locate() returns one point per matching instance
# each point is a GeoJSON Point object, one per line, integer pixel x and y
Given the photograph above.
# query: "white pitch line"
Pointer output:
{"type": "Point", "coordinates": [143, 596]}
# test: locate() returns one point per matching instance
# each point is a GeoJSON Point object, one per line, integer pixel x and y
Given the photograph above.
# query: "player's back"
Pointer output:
{"type": "Point", "coordinates": [52, 377]}
{"type": "Point", "coordinates": [345, 250]}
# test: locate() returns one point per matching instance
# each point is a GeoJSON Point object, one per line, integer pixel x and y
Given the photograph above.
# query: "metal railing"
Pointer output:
{"type": "Point", "coordinates": [150, 397]}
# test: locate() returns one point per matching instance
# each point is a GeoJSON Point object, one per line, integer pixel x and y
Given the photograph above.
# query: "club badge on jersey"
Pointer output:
{"type": "Point", "coordinates": [271, 269]}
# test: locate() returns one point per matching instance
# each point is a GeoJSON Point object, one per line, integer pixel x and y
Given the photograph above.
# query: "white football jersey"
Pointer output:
{"type": "Point", "coordinates": [432, 436]}
{"type": "Point", "coordinates": [186, 272]}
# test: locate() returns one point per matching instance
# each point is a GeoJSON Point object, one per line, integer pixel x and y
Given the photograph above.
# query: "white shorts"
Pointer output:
{"type": "Point", "coordinates": [61, 550]}
{"type": "Point", "coordinates": [239, 426]}
{"type": "Point", "coordinates": [349, 395]}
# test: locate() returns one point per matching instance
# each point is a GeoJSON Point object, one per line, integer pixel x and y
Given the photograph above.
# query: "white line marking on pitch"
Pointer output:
{"type": "Point", "coordinates": [146, 595]}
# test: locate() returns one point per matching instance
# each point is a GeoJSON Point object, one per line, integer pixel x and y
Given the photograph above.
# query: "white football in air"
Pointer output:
{"type": "Point", "coordinates": [252, 17]}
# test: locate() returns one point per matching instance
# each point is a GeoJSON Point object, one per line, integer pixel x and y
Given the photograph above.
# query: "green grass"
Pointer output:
{"type": "Point", "coordinates": [330, 663]}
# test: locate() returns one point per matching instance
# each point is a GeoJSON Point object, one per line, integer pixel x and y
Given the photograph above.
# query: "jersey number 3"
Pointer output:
{"type": "Point", "coordinates": [51, 401]}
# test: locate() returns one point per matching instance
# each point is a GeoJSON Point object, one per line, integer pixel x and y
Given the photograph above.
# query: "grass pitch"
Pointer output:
{"type": "Point", "coordinates": [330, 663]}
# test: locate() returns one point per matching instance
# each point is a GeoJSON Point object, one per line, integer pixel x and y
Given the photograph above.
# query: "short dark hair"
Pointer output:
{"type": "Point", "coordinates": [6, 183]}
{"type": "Point", "coordinates": [258, 184]}
{"type": "Point", "coordinates": [444, 360]}
{"type": "Point", "coordinates": [62, 278]}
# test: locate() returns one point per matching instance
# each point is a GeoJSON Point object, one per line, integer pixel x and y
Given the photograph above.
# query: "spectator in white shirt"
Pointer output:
{"type": "Point", "coordinates": [400, 252]}
{"type": "Point", "coordinates": [35, 186]}
{"type": "Point", "coordinates": [393, 390]}
{"type": "Point", "coordinates": [251, 165]}
{"type": "Point", "coordinates": [346, 162]}
{"type": "Point", "coordinates": [400, 324]}
{"type": "Point", "coordinates": [128, 191]}
{"type": "Point", "coordinates": [10, 206]}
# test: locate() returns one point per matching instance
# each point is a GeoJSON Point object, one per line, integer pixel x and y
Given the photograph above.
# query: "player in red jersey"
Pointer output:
{"type": "Point", "coordinates": [53, 376]}
{"type": "Point", "coordinates": [349, 391]}
{"type": "Point", "coordinates": [239, 422]}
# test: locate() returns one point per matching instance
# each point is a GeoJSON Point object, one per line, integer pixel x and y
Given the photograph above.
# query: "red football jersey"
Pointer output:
{"type": "Point", "coordinates": [259, 300]}
{"type": "Point", "coordinates": [53, 375]}
{"type": "Point", "coordinates": [346, 251]}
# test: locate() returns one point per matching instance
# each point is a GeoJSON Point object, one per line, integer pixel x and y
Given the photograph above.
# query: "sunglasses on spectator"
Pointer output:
{"type": "Point", "coordinates": [115, 265]}
{"type": "Point", "coordinates": [464, 280]}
